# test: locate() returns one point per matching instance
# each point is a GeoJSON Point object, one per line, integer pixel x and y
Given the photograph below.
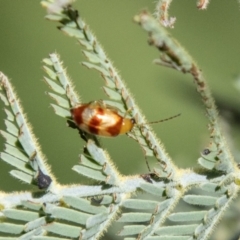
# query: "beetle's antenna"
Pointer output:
{"type": "Point", "coordinates": [149, 169]}
{"type": "Point", "coordinates": [141, 125]}
{"type": "Point", "coordinates": [159, 121]}
{"type": "Point", "coordinates": [162, 120]}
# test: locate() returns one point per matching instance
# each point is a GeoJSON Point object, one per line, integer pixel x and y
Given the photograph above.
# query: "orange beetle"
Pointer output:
{"type": "Point", "coordinates": [100, 119]}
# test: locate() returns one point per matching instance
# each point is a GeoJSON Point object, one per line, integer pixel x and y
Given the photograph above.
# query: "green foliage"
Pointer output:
{"type": "Point", "coordinates": [58, 211]}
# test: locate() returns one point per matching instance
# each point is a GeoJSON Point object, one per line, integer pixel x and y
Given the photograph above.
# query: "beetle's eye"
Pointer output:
{"type": "Point", "coordinates": [133, 121]}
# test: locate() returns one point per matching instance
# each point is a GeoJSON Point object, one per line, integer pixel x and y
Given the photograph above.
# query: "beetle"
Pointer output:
{"type": "Point", "coordinates": [100, 119]}
{"type": "Point", "coordinates": [104, 120]}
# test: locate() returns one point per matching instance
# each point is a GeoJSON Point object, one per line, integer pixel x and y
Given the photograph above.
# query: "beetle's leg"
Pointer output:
{"type": "Point", "coordinates": [108, 106]}
{"type": "Point", "coordinates": [71, 124]}
{"type": "Point", "coordinates": [100, 103]}
{"type": "Point", "coordinates": [96, 104]}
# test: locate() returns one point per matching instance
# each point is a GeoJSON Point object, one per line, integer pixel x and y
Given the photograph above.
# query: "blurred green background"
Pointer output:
{"type": "Point", "coordinates": [212, 37]}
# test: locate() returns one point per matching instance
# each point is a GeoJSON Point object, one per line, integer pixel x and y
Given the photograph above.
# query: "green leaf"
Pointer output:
{"type": "Point", "coordinates": [72, 32]}
{"type": "Point", "coordinates": [208, 164]}
{"type": "Point", "coordinates": [92, 57]}
{"type": "Point", "coordinates": [83, 205]}
{"type": "Point", "coordinates": [140, 204]}
{"type": "Point", "coordinates": [47, 61]}
{"type": "Point", "coordinates": [97, 219]}
{"type": "Point", "coordinates": [31, 205]}
{"type": "Point", "coordinates": [11, 228]}
{"type": "Point", "coordinates": [20, 214]}
{"type": "Point", "coordinates": [200, 200]}
{"type": "Point", "coordinates": [112, 177]}
{"type": "Point", "coordinates": [26, 141]}
{"type": "Point", "coordinates": [187, 216]}
{"type": "Point", "coordinates": [16, 152]}
{"type": "Point", "coordinates": [11, 128]}
{"type": "Point", "coordinates": [54, 86]}
{"type": "Point", "coordinates": [112, 94]}
{"type": "Point", "coordinates": [131, 230]}
{"type": "Point", "coordinates": [50, 73]}
{"type": "Point", "coordinates": [69, 215]}
{"type": "Point", "coordinates": [4, 99]}
{"type": "Point", "coordinates": [22, 176]}
{"type": "Point", "coordinates": [96, 67]}
{"type": "Point", "coordinates": [35, 224]}
{"type": "Point", "coordinates": [176, 230]}
{"type": "Point", "coordinates": [89, 233]}
{"type": "Point", "coordinates": [16, 163]}
{"type": "Point", "coordinates": [33, 233]}
{"type": "Point", "coordinates": [106, 199]}
{"type": "Point", "coordinates": [88, 172]}
{"type": "Point", "coordinates": [59, 100]}
{"type": "Point", "coordinates": [96, 152]}
{"type": "Point", "coordinates": [63, 229]}
{"type": "Point", "coordinates": [168, 238]}
{"type": "Point", "coordinates": [135, 217]}
{"type": "Point", "coordinates": [152, 189]}
{"type": "Point", "coordinates": [62, 112]}
{"type": "Point", "coordinates": [213, 187]}
{"type": "Point", "coordinates": [10, 116]}
{"type": "Point", "coordinates": [8, 238]}
{"type": "Point", "coordinates": [54, 17]}
{"type": "Point", "coordinates": [9, 138]}
{"type": "Point", "coordinates": [86, 161]}
{"type": "Point", "coordinates": [49, 238]}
